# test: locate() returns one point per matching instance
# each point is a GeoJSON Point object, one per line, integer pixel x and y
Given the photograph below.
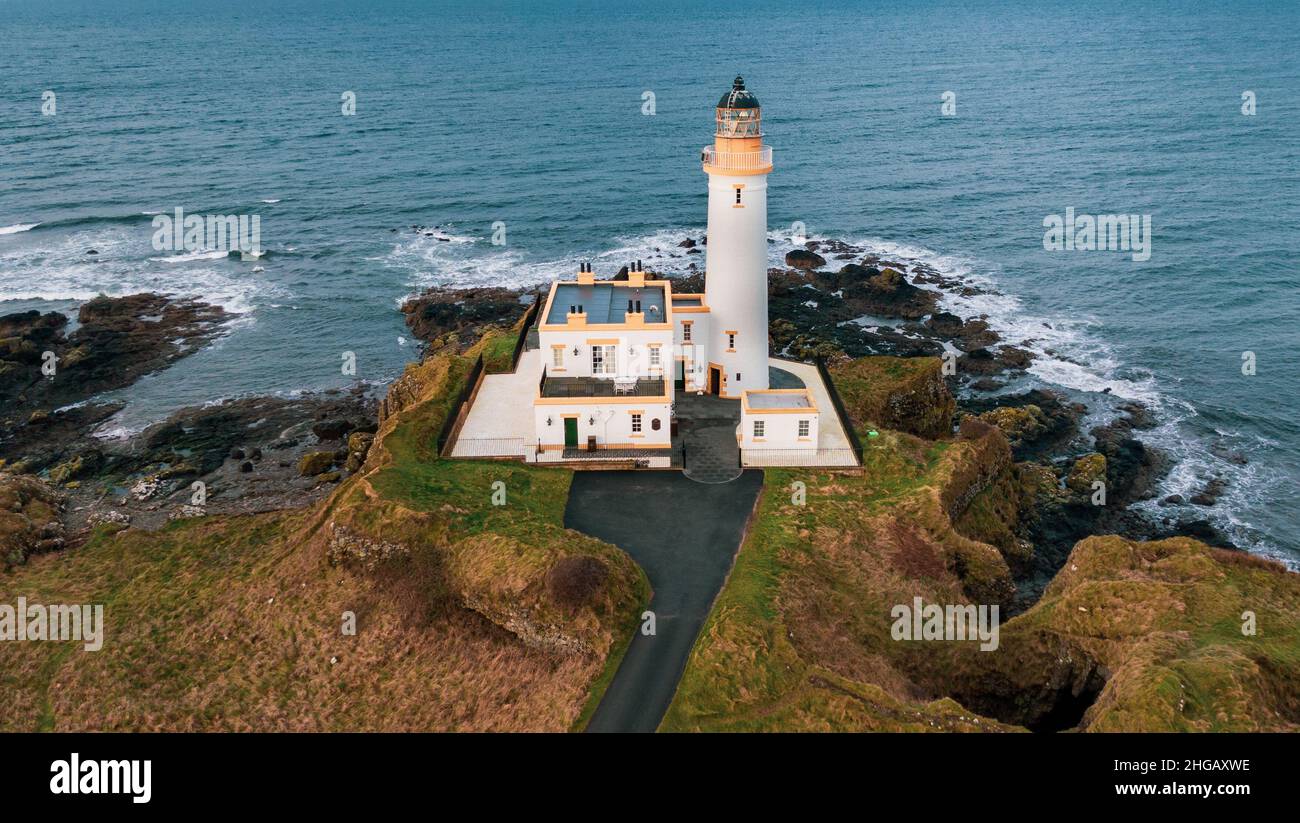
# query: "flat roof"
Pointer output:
{"type": "Point", "coordinates": [779, 399]}
{"type": "Point", "coordinates": [606, 301]}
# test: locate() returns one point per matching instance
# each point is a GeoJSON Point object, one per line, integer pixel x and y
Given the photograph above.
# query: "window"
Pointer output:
{"type": "Point", "coordinates": [737, 197]}
{"type": "Point", "coordinates": [654, 357]}
{"type": "Point", "coordinates": [731, 340]}
{"type": "Point", "coordinates": [604, 360]}
{"type": "Point", "coordinates": [557, 357]}
{"type": "Point", "coordinates": [758, 428]}
{"type": "Point", "coordinates": [686, 331]}
{"type": "Point", "coordinates": [804, 428]}
{"type": "Point", "coordinates": [636, 423]}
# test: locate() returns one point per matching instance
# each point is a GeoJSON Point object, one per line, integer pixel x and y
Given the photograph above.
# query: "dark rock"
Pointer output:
{"type": "Point", "coordinates": [1210, 493]}
{"type": "Point", "coordinates": [944, 323]}
{"type": "Point", "coordinates": [1051, 422]}
{"type": "Point", "coordinates": [804, 259]}
{"type": "Point", "coordinates": [332, 429]}
{"type": "Point", "coordinates": [246, 466]}
{"type": "Point", "coordinates": [117, 341]}
{"type": "Point", "coordinates": [1133, 469]}
{"type": "Point", "coordinates": [458, 317]}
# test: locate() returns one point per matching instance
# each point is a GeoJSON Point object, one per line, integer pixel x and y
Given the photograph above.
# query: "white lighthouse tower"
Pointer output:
{"type": "Point", "coordinates": [736, 254]}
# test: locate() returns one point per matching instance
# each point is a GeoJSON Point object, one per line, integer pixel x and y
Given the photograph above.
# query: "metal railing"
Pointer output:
{"type": "Point", "coordinates": [598, 387]}
{"type": "Point", "coordinates": [525, 326]}
{"type": "Point", "coordinates": [455, 409]}
{"type": "Point", "coordinates": [736, 160]}
{"type": "Point", "coordinates": [820, 458]}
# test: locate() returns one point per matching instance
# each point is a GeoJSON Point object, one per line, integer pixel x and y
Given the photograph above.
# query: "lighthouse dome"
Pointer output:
{"type": "Point", "coordinates": [738, 97]}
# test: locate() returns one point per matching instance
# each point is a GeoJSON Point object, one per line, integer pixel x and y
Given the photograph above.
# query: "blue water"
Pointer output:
{"type": "Point", "coordinates": [531, 114]}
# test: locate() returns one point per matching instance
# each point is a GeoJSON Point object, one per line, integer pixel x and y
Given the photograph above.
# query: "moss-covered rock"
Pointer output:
{"type": "Point", "coordinates": [29, 519]}
{"type": "Point", "coordinates": [77, 466]}
{"type": "Point", "coordinates": [907, 395]}
{"type": "Point", "coordinates": [1021, 424]}
{"type": "Point", "coordinates": [1087, 470]}
{"type": "Point", "coordinates": [314, 463]}
{"type": "Point", "coordinates": [359, 442]}
{"type": "Point", "coordinates": [1171, 635]}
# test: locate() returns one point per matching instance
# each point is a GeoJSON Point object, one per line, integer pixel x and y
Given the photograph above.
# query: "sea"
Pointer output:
{"type": "Point", "coordinates": [529, 136]}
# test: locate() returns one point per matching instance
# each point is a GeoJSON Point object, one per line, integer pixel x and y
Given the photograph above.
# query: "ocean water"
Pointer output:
{"type": "Point", "coordinates": [529, 115]}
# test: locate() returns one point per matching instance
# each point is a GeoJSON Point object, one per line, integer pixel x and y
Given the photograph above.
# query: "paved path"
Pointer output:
{"type": "Point", "coordinates": [684, 535]}
{"type": "Point", "coordinates": [709, 437]}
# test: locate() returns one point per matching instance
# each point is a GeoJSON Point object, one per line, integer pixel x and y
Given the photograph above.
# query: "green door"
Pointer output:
{"type": "Point", "coordinates": [571, 432]}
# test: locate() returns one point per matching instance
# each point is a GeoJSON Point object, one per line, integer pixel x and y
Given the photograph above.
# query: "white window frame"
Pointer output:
{"type": "Point", "coordinates": [760, 428]}
{"type": "Point", "coordinates": [655, 360]}
{"type": "Point", "coordinates": [557, 357]}
{"type": "Point", "coordinates": [805, 428]}
{"type": "Point", "coordinates": [604, 359]}
{"type": "Point", "coordinates": [636, 422]}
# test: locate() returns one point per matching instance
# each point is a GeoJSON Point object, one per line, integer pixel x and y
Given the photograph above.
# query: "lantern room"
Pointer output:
{"type": "Point", "coordinates": [738, 112]}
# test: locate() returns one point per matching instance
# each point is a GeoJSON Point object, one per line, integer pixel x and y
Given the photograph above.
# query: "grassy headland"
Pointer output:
{"type": "Point", "coordinates": [237, 623]}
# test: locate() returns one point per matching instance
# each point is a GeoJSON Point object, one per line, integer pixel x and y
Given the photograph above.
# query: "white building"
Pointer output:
{"type": "Point", "coordinates": [736, 255]}
{"type": "Point", "coordinates": [778, 419]}
{"type": "Point", "coordinates": [612, 355]}
{"type": "Point", "coordinates": [615, 351]}
{"type": "Point", "coordinates": [607, 349]}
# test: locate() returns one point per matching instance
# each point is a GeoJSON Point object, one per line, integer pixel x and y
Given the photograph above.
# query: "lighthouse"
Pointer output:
{"type": "Point", "coordinates": [736, 254]}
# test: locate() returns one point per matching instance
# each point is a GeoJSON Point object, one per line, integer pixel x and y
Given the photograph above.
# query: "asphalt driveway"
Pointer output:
{"type": "Point", "coordinates": [684, 535]}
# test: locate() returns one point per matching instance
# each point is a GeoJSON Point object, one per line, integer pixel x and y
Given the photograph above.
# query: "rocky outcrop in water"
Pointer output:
{"type": "Point", "coordinates": [117, 341]}
{"type": "Point", "coordinates": [443, 317]}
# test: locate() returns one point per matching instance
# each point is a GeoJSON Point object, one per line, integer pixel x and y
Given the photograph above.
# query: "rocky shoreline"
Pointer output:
{"type": "Point", "coordinates": [831, 300]}
{"type": "Point", "coordinates": [823, 304]}
{"type": "Point", "coordinates": [60, 477]}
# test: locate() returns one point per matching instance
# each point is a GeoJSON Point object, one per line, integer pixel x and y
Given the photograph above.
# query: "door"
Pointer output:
{"type": "Point", "coordinates": [571, 432]}
{"type": "Point", "coordinates": [681, 376]}
{"type": "Point", "coordinates": [715, 380]}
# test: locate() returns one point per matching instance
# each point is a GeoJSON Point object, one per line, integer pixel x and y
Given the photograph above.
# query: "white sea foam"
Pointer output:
{"type": "Point", "coordinates": [190, 257]}
{"type": "Point", "coordinates": [60, 270]}
{"type": "Point", "coordinates": [18, 228]}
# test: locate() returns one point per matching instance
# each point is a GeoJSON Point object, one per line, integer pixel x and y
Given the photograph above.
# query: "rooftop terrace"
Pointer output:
{"type": "Point", "coordinates": [606, 301]}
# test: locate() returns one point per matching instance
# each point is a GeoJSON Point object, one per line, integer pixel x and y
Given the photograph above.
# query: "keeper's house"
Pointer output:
{"type": "Point", "coordinates": [607, 349]}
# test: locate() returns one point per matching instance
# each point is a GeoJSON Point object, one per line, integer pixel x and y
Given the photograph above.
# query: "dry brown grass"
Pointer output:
{"type": "Point", "coordinates": [236, 624]}
{"type": "Point", "coordinates": [224, 627]}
